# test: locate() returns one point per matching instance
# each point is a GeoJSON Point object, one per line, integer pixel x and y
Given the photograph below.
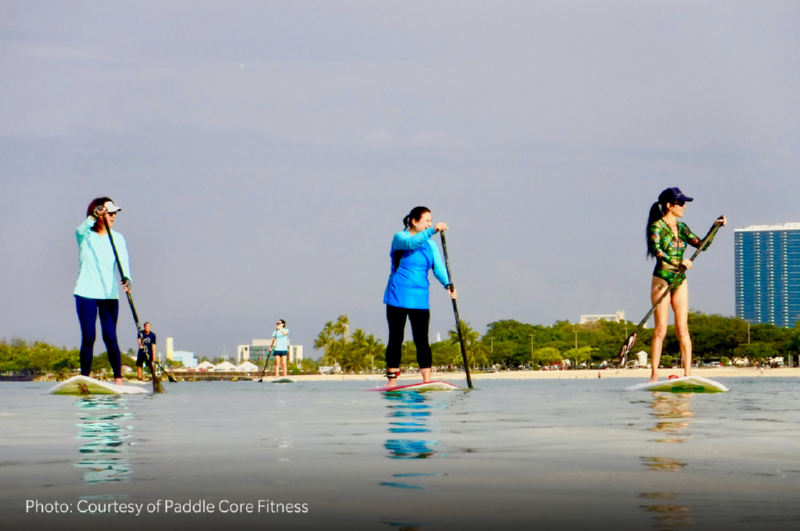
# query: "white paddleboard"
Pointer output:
{"type": "Point", "coordinates": [422, 386]}
{"type": "Point", "coordinates": [687, 384]}
{"type": "Point", "coordinates": [285, 379]}
{"type": "Point", "coordinates": [83, 385]}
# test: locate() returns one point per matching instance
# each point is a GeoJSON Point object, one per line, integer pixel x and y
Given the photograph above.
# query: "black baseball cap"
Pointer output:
{"type": "Point", "coordinates": [672, 195]}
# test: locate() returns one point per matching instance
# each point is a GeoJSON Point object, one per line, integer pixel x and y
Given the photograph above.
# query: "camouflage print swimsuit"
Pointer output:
{"type": "Point", "coordinates": [668, 250]}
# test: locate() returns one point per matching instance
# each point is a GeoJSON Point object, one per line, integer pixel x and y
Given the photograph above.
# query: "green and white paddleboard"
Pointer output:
{"type": "Point", "coordinates": [285, 379]}
{"type": "Point", "coordinates": [687, 384]}
{"type": "Point", "coordinates": [83, 385]}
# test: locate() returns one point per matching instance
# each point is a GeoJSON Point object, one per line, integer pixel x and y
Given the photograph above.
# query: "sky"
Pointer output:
{"type": "Point", "coordinates": [264, 153]}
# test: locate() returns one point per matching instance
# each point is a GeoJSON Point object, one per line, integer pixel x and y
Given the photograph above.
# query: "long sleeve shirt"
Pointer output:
{"type": "Point", "coordinates": [97, 267]}
{"type": "Point", "coordinates": [408, 282]}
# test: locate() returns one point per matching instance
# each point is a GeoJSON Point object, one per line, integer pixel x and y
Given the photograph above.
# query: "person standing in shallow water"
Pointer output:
{"type": "Point", "coordinates": [96, 291]}
{"type": "Point", "coordinates": [666, 242]}
{"type": "Point", "coordinates": [413, 254]}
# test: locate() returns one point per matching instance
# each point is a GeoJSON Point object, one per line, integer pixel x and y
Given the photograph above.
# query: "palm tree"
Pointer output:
{"type": "Point", "coordinates": [342, 327]}
{"type": "Point", "coordinates": [325, 340]}
{"type": "Point", "coordinates": [374, 349]}
{"type": "Point", "coordinates": [476, 350]}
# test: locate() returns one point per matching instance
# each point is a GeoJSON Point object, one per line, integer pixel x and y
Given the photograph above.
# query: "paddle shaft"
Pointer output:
{"type": "Point", "coordinates": [703, 244]}
{"type": "Point", "coordinates": [455, 311]}
{"type": "Point", "coordinates": [267, 362]}
{"type": "Point", "coordinates": [157, 388]}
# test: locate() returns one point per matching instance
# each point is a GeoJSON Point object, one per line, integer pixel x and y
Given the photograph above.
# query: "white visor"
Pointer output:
{"type": "Point", "coordinates": [111, 207]}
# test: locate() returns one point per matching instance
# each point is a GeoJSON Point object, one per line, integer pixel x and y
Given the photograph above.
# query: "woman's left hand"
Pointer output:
{"type": "Point", "coordinates": [722, 220]}
{"type": "Point", "coordinates": [453, 294]}
{"type": "Point", "coordinates": [126, 285]}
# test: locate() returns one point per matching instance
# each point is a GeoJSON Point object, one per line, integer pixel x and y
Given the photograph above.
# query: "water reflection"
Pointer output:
{"type": "Point", "coordinates": [104, 456]}
{"type": "Point", "coordinates": [667, 514]}
{"type": "Point", "coordinates": [673, 413]}
{"type": "Point", "coordinates": [409, 413]}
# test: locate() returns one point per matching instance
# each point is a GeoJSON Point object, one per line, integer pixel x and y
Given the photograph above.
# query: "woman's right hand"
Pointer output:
{"type": "Point", "coordinates": [99, 211]}
{"type": "Point", "coordinates": [440, 227]}
{"type": "Point", "coordinates": [687, 264]}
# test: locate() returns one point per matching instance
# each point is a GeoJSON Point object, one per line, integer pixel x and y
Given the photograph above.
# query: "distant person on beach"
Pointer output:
{"type": "Point", "coordinates": [96, 291]}
{"type": "Point", "coordinates": [413, 254]}
{"type": "Point", "coordinates": [666, 242]}
{"type": "Point", "coordinates": [280, 347]}
{"type": "Point", "coordinates": [147, 339]}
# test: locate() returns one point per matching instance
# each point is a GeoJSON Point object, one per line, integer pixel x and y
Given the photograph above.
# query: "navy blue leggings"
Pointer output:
{"type": "Point", "coordinates": [88, 310]}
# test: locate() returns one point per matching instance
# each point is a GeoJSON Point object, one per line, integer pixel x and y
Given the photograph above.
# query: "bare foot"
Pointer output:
{"type": "Point", "coordinates": [653, 379]}
{"type": "Point", "coordinates": [117, 381]}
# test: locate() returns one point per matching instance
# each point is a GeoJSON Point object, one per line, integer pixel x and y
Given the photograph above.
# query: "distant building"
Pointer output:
{"type": "Point", "coordinates": [187, 358]}
{"type": "Point", "coordinates": [768, 274]}
{"type": "Point", "coordinates": [617, 317]}
{"type": "Point", "coordinates": [257, 352]}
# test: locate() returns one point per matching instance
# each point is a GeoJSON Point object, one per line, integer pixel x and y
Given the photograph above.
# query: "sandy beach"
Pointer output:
{"type": "Point", "coordinates": [640, 374]}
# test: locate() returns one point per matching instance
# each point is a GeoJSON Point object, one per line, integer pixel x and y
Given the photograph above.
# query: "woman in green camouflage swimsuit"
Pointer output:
{"type": "Point", "coordinates": [667, 239]}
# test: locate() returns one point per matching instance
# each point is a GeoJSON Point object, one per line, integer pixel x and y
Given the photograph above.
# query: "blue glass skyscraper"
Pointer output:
{"type": "Point", "coordinates": [768, 274]}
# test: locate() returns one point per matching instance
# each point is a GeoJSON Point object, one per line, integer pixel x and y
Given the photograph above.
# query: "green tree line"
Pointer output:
{"type": "Point", "coordinates": [511, 344]}
{"type": "Point", "coordinates": [22, 357]}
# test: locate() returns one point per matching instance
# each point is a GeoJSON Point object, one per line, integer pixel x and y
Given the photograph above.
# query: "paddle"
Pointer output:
{"type": "Point", "coordinates": [267, 362]}
{"type": "Point", "coordinates": [455, 311]}
{"type": "Point", "coordinates": [157, 387]}
{"type": "Point", "coordinates": [627, 346]}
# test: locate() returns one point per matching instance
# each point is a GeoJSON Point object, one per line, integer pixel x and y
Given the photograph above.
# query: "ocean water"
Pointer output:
{"type": "Point", "coordinates": [511, 454]}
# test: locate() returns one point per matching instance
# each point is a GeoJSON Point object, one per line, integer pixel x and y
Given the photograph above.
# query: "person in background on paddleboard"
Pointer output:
{"type": "Point", "coordinates": [413, 255]}
{"type": "Point", "coordinates": [280, 347]}
{"type": "Point", "coordinates": [96, 291]}
{"type": "Point", "coordinates": [147, 339]}
{"type": "Point", "coordinates": [666, 242]}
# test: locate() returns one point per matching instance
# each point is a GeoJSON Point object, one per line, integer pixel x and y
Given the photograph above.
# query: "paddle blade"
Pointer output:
{"type": "Point", "coordinates": [626, 348]}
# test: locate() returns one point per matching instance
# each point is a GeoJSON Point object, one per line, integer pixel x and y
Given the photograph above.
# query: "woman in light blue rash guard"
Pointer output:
{"type": "Point", "coordinates": [413, 255]}
{"type": "Point", "coordinates": [280, 346]}
{"type": "Point", "coordinates": [96, 292]}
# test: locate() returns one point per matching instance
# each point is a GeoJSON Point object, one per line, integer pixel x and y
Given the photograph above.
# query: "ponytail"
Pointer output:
{"type": "Point", "coordinates": [415, 214]}
{"type": "Point", "coordinates": [657, 212]}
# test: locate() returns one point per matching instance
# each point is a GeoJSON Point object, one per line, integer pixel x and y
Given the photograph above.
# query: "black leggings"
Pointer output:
{"type": "Point", "coordinates": [419, 329]}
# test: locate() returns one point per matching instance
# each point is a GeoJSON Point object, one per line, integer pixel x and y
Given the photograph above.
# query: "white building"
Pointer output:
{"type": "Point", "coordinates": [258, 350]}
{"type": "Point", "coordinates": [617, 317]}
{"type": "Point", "coordinates": [187, 358]}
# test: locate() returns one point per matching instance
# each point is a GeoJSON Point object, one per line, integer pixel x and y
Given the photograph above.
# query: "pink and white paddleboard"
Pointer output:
{"type": "Point", "coordinates": [422, 386]}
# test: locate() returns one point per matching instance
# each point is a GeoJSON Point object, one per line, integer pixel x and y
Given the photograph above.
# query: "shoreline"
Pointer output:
{"type": "Point", "coordinates": [639, 374]}
{"type": "Point", "coordinates": [580, 374]}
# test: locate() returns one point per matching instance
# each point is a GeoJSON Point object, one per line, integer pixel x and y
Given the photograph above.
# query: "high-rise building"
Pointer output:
{"type": "Point", "coordinates": [768, 274]}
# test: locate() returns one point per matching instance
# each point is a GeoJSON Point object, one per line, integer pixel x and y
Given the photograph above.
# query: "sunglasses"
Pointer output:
{"type": "Point", "coordinates": [112, 213]}
{"type": "Point", "coordinates": [679, 203]}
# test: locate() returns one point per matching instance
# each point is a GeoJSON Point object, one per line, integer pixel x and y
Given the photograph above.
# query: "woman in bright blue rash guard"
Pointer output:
{"type": "Point", "coordinates": [413, 255]}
